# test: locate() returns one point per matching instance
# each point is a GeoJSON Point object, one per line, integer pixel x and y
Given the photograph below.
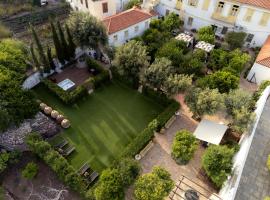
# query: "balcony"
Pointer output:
{"type": "Point", "coordinates": [228, 19]}
{"type": "Point", "coordinates": [178, 5]}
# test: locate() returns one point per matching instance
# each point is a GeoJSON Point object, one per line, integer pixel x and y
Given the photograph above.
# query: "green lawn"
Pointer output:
{"type": "Point", "coordinates": [104, 122]}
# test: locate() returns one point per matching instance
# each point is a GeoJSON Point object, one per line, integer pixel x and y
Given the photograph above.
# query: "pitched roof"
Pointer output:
{"type": "Point", "coordinates": [126, 19]}
{"type": "Point", "coordinates": [263, 57]}
{"type": "Point", "coordinates": [259, 3]}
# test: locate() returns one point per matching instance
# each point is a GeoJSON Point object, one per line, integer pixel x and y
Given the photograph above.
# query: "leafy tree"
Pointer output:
{"type": "Point", "coordinates": [13, 55]}
{"type": "Point", "coordinates": [43, 60]}
{"type": "Point", "coordinates": [174, 50]}
{"type": "Point", "coordinates": [57, 44]}
{"type": "Point", "coordinates": [130, 4]}
{"type": "Point", "coordinates": [50, 59]}
{"type": "Point", "coordinates": [237, 60]}
{"type": "Point", "coordinates": [156, 74]}
{"type": "Point", "coordinates": [236, 99]}
{"type": "Point", "coordinates": [217, 163]}
{"type": "Point", "coordinates": [242, 118]}
{"type": "Point", "coordinates": [154, 39]}
{"type": "Point", "coordinates": [71, 44]}
{"type": "Point", "coordinates": [204, 101]}
{"type": "Point", "coordinates": [224, 81]}
{"type": "Point", "coordinates": [235, 39]}
{"type": "Point", "coordinates": [153, 186]}
{"type": "Point", "coordinates": [30, 171]}
{"type": "Point", "coordinates": [184, 146]}
{"type": "Point", "coordinates": [218, 59]}
{"type": "Point", "coordinates": [172, 22]}
{"type": "Point", "coordinates": [206, 34]}
{"type": "Point", "coordinates": [191, 65]}
{"type": "Point", "coordinates": [87, 30]}
{"type": "Point", "coordinates": [176, 83]}
{"type": "Point", "coordinates": [130, 59]}
{"type": "Point", "coordinates": [63, 42]}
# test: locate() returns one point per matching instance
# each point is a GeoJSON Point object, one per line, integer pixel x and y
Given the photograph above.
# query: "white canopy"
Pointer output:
{"type": "Point", "coordinates": [184, 37]}
{"type": "Point", "coordinates": [205, 46]}
{"type": "Point", "coordinates": [210, 131]}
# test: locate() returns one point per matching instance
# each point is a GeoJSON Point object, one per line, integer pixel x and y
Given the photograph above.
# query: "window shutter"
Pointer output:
{"type": "Point", "coordinates": [206, 4]}
{"type": "Point", "coordinates": [249, 15]}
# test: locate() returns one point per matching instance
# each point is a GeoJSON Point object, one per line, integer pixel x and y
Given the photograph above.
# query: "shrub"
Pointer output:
{"type": "Point", "coordinates": [7, 158]}
{"type": "Point", "coordinates": [66, 96]}
{"type": "Point", "coordinates": [57, 162]}
{"type": "Point", "coordinates": [184, 146]}
{"type": "Point", "coordinates": [132, 3]}
{"type": "Point", "coordinates": [113, 180]}
{"type": "Point", "coordinates": [153, 186]}
{"type": "Point", "coordinates": [206, 34]}
{"type": "Point", "coordinates": [217, 163]}
{"type": "Point", "coordinates": [30, 171]}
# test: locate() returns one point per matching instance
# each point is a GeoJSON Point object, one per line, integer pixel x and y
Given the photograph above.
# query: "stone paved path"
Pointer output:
{"type": "Point", "coordinates": [255, 180]}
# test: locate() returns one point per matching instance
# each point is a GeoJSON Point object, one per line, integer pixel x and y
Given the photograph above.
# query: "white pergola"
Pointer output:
{"type": "Point", "coordinates": [210, 131]}
{"type": "Point", "coordinates": [184, 37]}
{"type": "Point", "coordinates": [205, 46]}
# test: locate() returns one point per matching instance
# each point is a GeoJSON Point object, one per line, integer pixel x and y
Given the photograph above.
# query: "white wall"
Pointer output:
{"type": "Point", "coordinates": [204, 18]}
{"type": "Point", "coordinates": [131, 33]}
{"type": "Point", "coordinates": [261, 73]}
{"type": "Point", "coordinates": [95, 7]}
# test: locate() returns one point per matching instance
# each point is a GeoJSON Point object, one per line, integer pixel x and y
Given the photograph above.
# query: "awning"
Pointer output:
{"type": "Point", "coordinates": [205, 46]}
{"type": "Point", "coordinates": [210, 131]}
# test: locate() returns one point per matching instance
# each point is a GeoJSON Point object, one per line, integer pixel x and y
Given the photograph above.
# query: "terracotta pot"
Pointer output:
{"type": "Point", "coordinates": [47, 110]}
{"type": "Point", "coordinates": [54, 114]}
{"type": "Point", "coordinates": [60, 118]}
{"type": "Point", "coordinates": [65, 123]}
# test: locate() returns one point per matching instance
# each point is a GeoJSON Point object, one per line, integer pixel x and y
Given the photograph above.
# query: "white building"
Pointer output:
{"type": "Point", "coordinates": [127, 25]}
{"type": "Point", "coordinates": [260, 71]}
{"type": "Point", "coordinates": [99, 8]}
{"type": "Point", "coordinates": [250, 16]}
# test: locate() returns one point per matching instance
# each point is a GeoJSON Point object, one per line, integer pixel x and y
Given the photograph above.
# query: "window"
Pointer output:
{"type": "Point", "coordinates": [115, 38]}
{"type": "Point", "coordinates": [234, 10]}
{"type": "Point", "coordinates": [265, 18]}
{"type": "Point", "coordinates": [167, 12]}
{"type": "Point", "coordinates": [249, 15]}
{"type": "Point", "coordinates": [220, 6]}
{"type": "Point", "coordinates": [249, 37]}
{"type": "Point", "coordinates": [126, 34]}
{"type": "Point", "coordinates": [206, 4]}
{"type": "Point", "coordinates": [86, 3]}
{"type": "Point", "coordinates": [136, 29]}
{"type": "Point", "coordinates": [224, 30]}
{"type": "Point", "coordinates": [190, 21]}
{"type": "Point", "coordinates": [146, 24]}
{"type": "Point", "coordinates": [105, 7]}
{"type": "Point", "coordinates": [82, 2]}
{"type": "Point", "coordinates": [192, 2]}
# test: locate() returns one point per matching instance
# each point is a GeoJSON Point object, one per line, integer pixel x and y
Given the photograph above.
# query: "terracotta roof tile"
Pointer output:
{"type": "Point", "coordinates": [259, 3]}
{"type": "Point", "coordinates": [263, 57]}
{"type": "Point", "coordinates": [126, 19]}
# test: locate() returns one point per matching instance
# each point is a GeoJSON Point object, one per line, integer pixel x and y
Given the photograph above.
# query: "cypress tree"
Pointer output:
{"type": "Point", "coordinates": [42, 56]}
{"type": "Point", "coordinates": [71, 44]}
{"type": "Point", "coordinates": [50, 59]}
{"type": "Point", "coordinates": [34, 57]}
{"type": "Point", "coordinates": [63, 41]}
{"type": "Point", "coordinates": [57, 44]}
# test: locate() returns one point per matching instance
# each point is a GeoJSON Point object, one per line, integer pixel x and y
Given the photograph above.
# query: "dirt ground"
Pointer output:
{"type": "Point", "coordinates": [45, 186]}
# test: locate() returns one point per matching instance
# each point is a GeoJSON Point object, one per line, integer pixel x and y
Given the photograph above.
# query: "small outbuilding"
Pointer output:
{"type": "Point", "coordinates": [260, 70]}
{"type": "Point", "coordinates": [210, 132]}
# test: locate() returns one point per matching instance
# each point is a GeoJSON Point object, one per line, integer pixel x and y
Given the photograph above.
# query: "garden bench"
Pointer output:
{"type": "Point", "coordinates": [83, 168]}
{"type": "Point", "coordinates": [93, 176]}
{"type": "Point", "coordinates": [68, 151]}
{"type": "Point", "coordinates": [146, 149]}
{"type": "Point", "coordinates": [61, 144]}
{"type": "Point", "coordinates": [170, 121]}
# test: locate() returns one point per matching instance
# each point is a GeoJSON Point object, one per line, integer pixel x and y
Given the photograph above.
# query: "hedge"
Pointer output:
{"type": "Point", "coordinates": [147, 134]}
{"type": "Point", "coordinates": [57, 163]}
{"type": "Point", "coordinates": [157, 95]}
{"type": "Point", "coordinates": [66, 96]}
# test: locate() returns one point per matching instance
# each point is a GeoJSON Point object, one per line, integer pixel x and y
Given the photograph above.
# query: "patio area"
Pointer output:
{"type": "Point", "coordinates": [160, 154]}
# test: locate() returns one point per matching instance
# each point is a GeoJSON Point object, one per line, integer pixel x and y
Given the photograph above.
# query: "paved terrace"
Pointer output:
{"type": "Point", "coordinates": [255, 179]}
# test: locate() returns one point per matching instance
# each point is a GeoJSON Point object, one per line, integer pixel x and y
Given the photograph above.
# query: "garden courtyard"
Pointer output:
{"type": "Point", "coordinates": [103, 123]}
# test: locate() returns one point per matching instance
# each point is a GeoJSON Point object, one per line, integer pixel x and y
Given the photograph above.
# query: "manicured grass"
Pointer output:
{"type": "Point", "coordinates": [104, 122]}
